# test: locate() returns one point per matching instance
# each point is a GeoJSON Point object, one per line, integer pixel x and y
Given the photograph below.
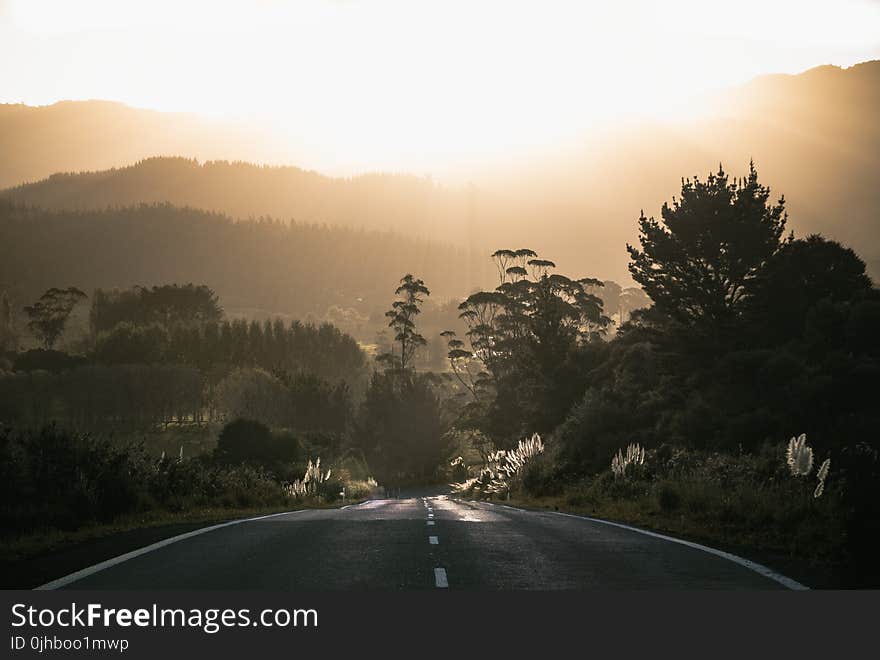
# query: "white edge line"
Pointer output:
{"type": "Point", "coordinates": [96, 568]}
{"type": "Point", "coordinates": [736, 559]}
{"type": "Point", "coordinates": [440, 579]}
{"type": "Point", "coordinates": [347, 506]}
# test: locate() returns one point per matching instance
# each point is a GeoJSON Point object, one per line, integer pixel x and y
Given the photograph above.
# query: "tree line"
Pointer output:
{"type": "Point", "coordinates": [166, 355]}
{"type": "Point", "coordinates": [258, 268]}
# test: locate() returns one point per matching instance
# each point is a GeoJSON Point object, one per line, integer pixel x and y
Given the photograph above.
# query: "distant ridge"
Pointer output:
{"type": "Point", "coordinates": [244, 190]}
{"type": "Point", "coordinates": [814, 136]}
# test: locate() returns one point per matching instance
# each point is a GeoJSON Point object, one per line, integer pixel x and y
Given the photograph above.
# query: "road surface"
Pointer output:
{"type": "Point", "coordinates": [422, 543]}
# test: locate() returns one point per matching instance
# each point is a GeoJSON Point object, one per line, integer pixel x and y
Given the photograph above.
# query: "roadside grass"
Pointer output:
{"type": "Point", "coordinates": [644, 512]}
{"type": "Point", "coordinates": [762, 544]}
{"type": "Point", "coordinates": [59, 487]}
{"type": "Point", "coordinates": [46, 541]}
{"type": "Point", "coordinates": [748, 504]}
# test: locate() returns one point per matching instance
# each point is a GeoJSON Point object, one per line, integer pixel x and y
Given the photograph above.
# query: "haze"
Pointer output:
{"type": "Point", "coordinates": [440, 88]}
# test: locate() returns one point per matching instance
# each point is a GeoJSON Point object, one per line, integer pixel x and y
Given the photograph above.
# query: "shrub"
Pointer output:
{"type": "Point", "coordinates": [59, 479]}
{"type": "Point", "coordinates": [668, 497]}
{"type": "Point", "coordinates": [244, 440]}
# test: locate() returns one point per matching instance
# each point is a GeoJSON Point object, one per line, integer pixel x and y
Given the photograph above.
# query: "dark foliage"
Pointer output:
{"type": "Point", "coordinates": [527, 348]}
{"type": "Point", "coordinates": [249, 441]}
{"type": "Point", "coordinates": [400, 428]}
{"type": "Point", "coordinates": [40, 359]}
{"type": "Point", "coordinates": [48, 316]}
{"type": "Point", "coordinates": [699, 262]}
{"type": "Point", "coordinates": [262, 266]}
{"type": "Point", "coordinates": [53, 478]}
{"type": "Point", "coordinates": [273, 345]}
{"type": "Point", "coordinates": [165, 305]}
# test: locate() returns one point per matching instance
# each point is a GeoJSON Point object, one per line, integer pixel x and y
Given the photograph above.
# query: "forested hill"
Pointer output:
{"type": "Point", "coordinates": [258, 268]}
{"type": "Point", "coordinates": [244, 190]}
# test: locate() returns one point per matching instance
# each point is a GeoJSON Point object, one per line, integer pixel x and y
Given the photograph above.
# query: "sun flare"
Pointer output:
{"type": "Point", "coordinates": [419, 85]}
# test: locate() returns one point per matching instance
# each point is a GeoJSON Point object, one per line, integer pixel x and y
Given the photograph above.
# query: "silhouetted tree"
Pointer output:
{"type": "Point", "coordinates": [167, 305]}
{"type": "Point", "coordinates": [49, 314]}
{"type": "Point", "coordinates": [402, 317]}
{"type": "Point", "coordinates": [520, 362]}
{"type": "Point", "coordinates": [698, 262]}
{"type": "Point", "coordinates": [400, 427]}
{"type": "Point", "coordinates": [802, 274]}
{"type": "Point", "coordinates": [316, 405]}
{"type": "Point", "coordinates": [7, 331]}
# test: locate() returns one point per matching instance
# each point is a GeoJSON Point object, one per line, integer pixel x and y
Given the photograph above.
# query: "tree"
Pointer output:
{"type": "Point", "coordinates": [132, 344]}
{"type": "Point", "coordinates": [49, 314]}
{"type": "Point", "coordinates": [698, 262]}
{"type": "Point", "coordinates": [519, 358]}
{"type": "Point", "coordinates": [316, 404]}
{"type": "Point", "coordinates": [402, 320]}
{"type": "Point", "coordinates": [804, 273]}
{"type": "Point", "coordinates": [401, 429]}
{"type": "Point", "coordinates": [167, 305]}
{"type": "Point", "coordinates": [7, 331]}
{"type": "Point", "coordinates": [252, 393]}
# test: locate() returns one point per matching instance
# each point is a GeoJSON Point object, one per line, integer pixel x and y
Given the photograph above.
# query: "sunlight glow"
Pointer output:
{"type": "Point", "coordinates": [417, 84]}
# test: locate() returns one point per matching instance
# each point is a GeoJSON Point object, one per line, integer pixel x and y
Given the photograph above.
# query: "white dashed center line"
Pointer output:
{"type": "Point", "coordinates": [433, 540]}
{"type": "Point", "coordinates": [440, 578]}
{"type": "Point", "coordinates": [430, 522]}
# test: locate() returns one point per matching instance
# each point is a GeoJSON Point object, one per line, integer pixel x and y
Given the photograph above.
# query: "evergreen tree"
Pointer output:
{"type": "Point", "coordinates": [697, 263]}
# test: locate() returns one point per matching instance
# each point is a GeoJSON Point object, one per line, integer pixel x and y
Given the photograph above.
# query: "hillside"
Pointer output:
{"type": "Point", "coordinates": [244, 190]}
{"type": "Point", "coordinates": [72, 136]}
{"type": "Point", "coordinates": [257, 268]}
{"type": "Point", "coordinates": [576, 204]}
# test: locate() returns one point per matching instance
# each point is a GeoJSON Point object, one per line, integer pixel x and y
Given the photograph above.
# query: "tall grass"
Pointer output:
{"type": "Point", "coordinates": [503, 470]}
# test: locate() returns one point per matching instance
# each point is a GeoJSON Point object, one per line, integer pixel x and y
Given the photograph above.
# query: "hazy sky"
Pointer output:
{"type": "Point", "coordinates": [397, 83]}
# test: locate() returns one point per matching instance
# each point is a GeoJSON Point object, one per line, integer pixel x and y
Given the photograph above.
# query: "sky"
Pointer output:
{"type": "Point", "coordinates": [412, 84]}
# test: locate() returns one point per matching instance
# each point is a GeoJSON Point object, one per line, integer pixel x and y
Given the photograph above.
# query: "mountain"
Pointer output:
{"type": "Point", "coordinates": [813, 136]}
{"type": "Point", "coordinates": [73, 136]}
{"type": "Point", "coordinates": [404, 203]}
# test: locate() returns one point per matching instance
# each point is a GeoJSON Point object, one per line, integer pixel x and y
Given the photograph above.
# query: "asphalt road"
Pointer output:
{"type": "Point", "coordinates": [423, 543]}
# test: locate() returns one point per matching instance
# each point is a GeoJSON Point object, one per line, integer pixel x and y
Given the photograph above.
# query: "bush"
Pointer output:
{"type": "Point", "coordinates": [668, 497]}
{"type": "Point", "coordinates": [53, 478]}
{"type": "Point", "coordinates": [244, 440]}
{"type": "Point", "coordinates": [59, 479]}
{"type": "Point", "coordinates": [541, 478]}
